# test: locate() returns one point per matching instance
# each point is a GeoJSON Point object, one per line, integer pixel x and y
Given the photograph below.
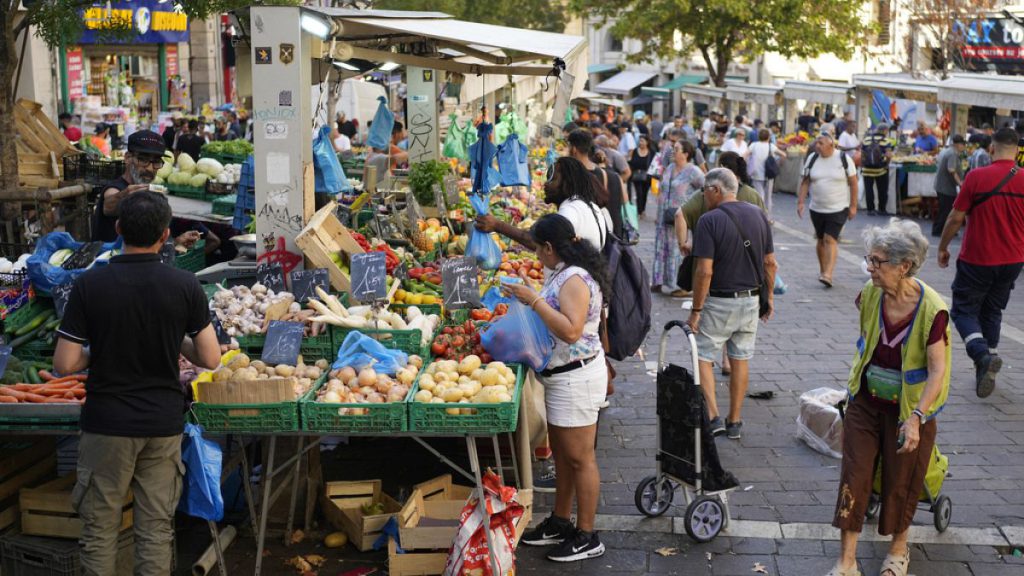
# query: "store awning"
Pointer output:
{"type": "Point", "coordinates": [624, 82]}
{"type": "Point", "coordinates": [660, 93]}
{"type": "Point", "coordinates": [989, 90]}
{"type": "Point", "coordinates": [832, 93]}
{"type": "Point", "coordinates": [643, 99]}
{"type": "Point", "coordinates": [683, 80]}
{"type": "Point", "coordinates": [903, 86]}
{"type": "Point", "coordinates": [601, 68]}
{"type": "Point", "coordinates": [710, 95]}
{"type": "Point", "coordinates": [753, 93]}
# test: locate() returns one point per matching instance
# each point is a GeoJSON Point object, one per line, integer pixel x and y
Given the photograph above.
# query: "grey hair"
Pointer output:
{"type": "Point", "coordinates": [724, 179]}
{"type": "Point", "coordinates": [901, 240]}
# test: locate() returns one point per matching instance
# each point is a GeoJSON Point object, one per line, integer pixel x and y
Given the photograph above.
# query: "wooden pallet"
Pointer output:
{"type": "Point", "coordinates": [41, 146]}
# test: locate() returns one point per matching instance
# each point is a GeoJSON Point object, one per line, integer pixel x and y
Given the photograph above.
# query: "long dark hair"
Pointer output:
{"type": "Point", "coordinates": [577, 181]}
{"type": "Point", "coordinates": [736, 164]}
{"type": "Point", "coordinates": [573, 250]}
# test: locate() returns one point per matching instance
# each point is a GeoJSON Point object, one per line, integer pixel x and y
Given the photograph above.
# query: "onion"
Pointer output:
{"type": "Point", "coordinates": [346, 374]}
{"type": "Point", "coordinates": [367, 377]}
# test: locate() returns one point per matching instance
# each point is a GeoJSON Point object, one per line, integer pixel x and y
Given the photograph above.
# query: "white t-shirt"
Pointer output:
{"type": "Point", "coordinates": [759, 152]}
{"type": "Point", "coordinates": [342, 143]}
{"type": "Point", "coordinates": [707, 128]}
{"type": "Point", "coordinates": [584, 218]}
{"type": "Point", "coordinates": [830, 189]}
{"type": "Point", "coordinates": [731, 145]}
{"type": "Point", "coordinates": [847, 140]}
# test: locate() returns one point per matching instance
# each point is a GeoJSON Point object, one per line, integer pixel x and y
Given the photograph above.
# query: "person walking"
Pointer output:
{"type": "Point", "coordinates": [981, 156]}
{"type": "Point", "coordinates": [875, 154]}
{"type": "Point", "coordinates": [639, 161]}
{"type": "Point", "coordinates": [737, 142]}
{"type": "Point", "coordinates": [680, 180]}
{"type": "Point", "coordinates": [991, 202]}
{"type": "Point", "coordinates": [136, 315]}
{"type": "Point", "coordinates": [733, 248]}
{"type": "Point", "coordinates": [575, 382]}
{"type": "Point", "coordinates": [898, 385]}
{"type": "Point", "coordinates": [831, 181]}
{"type": "Point", "coordinates": [760, 152]}
{"type": "Point", "coordinates": [949, 175]}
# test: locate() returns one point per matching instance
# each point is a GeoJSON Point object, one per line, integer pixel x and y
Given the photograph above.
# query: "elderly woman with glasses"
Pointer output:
{"type": "Point", "coordinates": [898, 384]}
{"type": "Point", "coordinates": [679, 182]}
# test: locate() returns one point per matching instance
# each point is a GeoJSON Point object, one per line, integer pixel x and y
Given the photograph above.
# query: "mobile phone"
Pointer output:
{"type": "Point", "coordinates": [901, 439]}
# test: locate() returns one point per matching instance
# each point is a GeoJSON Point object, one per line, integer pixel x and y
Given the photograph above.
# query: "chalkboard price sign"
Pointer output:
{"type": "Point", "coordinates": [5, 355]}
{"type": "Point", "coordinates": [305, 282]}
{"type": "Point", "coordinates": [369, 276]}
{"type": "Point", "coordinates": [461, 284]}
{"type": "Point", "coordinates": [284, 339]}
{"type": "Point", "coordinates": [85, 256]}
{"type": "Point", "coordinates": [60, 294]}
{"type": "Point", "coordinates": [271, 275]}
{"type": "Point", "coordinates": [218, 328]}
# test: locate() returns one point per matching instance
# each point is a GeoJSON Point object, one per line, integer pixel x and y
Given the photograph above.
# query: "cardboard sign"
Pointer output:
{"type": "Point", "coordinates": [5, 355]}
{"type": "Point", "coordinates": [168, 253]}
{"type": "Point", "coordinates": [305, 282]}
{"type": "Point", "coordinates": [218, 328]}
{"type": "Point", "coordinates": [451, 191]}
{"type": "Point", "coordinates": [369, 276]}
{"type": "Point", "coordinates": [60, 294]}
{"type": "Point", "coordinates": [461, 283]}
{"type": "Point", "coordinates": [271, 275]}
{"type": "Point", "coordinates": [284, 339]}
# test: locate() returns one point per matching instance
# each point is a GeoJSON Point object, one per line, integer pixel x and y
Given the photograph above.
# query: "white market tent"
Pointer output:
{"type": "Point", "coordinates": [624, 82]}
{"type": "Point", "coordinates": [833, 93]}
{"type": "Point", "coordinates": [753, 93]}
{"type": "Point", "coordinates": [1005, 92]}
{"type": "Point", "coordinates": [899, 85]}
{"type": "Point", "coordinates": [710, 95]}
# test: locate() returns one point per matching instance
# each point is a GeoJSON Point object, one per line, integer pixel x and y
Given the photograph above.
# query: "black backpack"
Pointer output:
{"type": "Point", "coordinates": [813, 157]}
{"type": "Point", "coordinates": [874, 154]}
{"type": "Point", "coordinates": [771, 166]}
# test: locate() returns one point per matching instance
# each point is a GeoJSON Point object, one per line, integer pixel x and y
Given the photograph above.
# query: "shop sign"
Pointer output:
{"type": "Point", "coordinates": [151, 22]}
{"type": "Point", "coordinates": [76, 81]}
{"type": "Point", "coordinates": [991, 44]}
{"type": "Point", "coordinates": [172, 60]}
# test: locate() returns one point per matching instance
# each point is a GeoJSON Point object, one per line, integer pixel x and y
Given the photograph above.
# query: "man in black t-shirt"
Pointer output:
{"type": "Point", "coordinates": [136, 315]}
{"type": "Point", "coordinates": [144, 158]}
{"type": "Point", "coordinates": [726, 287]}
{"type": "Point", "coordinates": [191, 140]}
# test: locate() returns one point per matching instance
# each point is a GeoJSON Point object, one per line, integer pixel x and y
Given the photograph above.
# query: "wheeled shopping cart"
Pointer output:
{"type": "Point", "coordinates": [687, 456]}
{"type": "Point", "coordinates": [931, 498]}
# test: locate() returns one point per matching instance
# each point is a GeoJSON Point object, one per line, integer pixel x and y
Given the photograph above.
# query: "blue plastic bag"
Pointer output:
{"type": "Point", "coordinates": [493, 296]}
{"type": "Point", "coordinates": [481, 245]}
{"type": "Point", "coordinates": [481, 161]}
{"type": "Point", "coordinates": [45, 276]}
{"type": "Point", "coordinates": [383, 121]}
{"type": "Point", "coordinates": [514, 162]}
{"type": "Point", "coordinates": [200, 493]}
{"type": "Point", "coordinates": [328, 174]}
{"type": "Point", "coordinates": [360, 351]}
{"type": "Point", "coordinates": [519, 336]}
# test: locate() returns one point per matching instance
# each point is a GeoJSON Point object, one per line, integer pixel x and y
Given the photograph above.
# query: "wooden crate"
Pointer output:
{"type": "Point", "coordinates": [41, 146]}
{"type": "Point", "coordinates": [23, 463]}
{"type": "Point", "coordinates": [326, 235]}
{"type": "Point", "coordinates": [430, 518]}
{"type": "Point", "coordinates": [47, 511]}
{"type": "Point", "coordinates": [342, 506]}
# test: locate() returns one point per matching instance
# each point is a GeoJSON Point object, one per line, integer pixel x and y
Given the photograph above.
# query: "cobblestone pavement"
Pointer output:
{"type": "Point", "coordinates": [785, 501]}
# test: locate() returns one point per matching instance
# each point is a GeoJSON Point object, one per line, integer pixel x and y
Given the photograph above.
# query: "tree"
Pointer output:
{"type": "Point", "coordinates": [722, 30]}
{"type": "Point", "coordinates": [943, 26]}
{"type": "Point", "coordinates": [545, 15]}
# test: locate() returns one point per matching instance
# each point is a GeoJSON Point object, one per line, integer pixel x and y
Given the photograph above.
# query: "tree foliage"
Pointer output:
{"type": "Point", "coordinates": [545, 15]}
{"type": "Point", "coordinates": [933, 21]}
{"type": "Point", "coordinates": [724, 30]}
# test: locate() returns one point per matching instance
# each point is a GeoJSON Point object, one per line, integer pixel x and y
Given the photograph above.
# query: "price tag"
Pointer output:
{"type": "Point", "coordinates": [168, 253]}
{"type": "Point", "coordinates": [305, 282]}
{"type": "Point", "coordinates": [5, 355]}
{"type": "Point", "coordinates": [412, 210]}
{"type": "Point", "coordinates": [451, 191]}
{"type": "Point", "coordinates": [60, 294]}
{"type": "Point", "coordinates": [439, 200]}
{"type": "Point", "coordinates": [218, 328]}
{"type": "Point", "coordinates": [85, 256]}
{"type": "Point", "coordinates": [369, 276]}
{"type": "Point", "coordinates": [284, 339]}
{"type": "Point", "coordinates": [271, 275]}
{"type": "Point", "coordinates": [461, 283]}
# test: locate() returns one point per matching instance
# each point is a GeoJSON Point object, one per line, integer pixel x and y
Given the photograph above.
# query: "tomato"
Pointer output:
{"type": "Point", "coordinates": [501, 309]}
{"type": "Point", "coordinates": [480, 314]}
{"type": "Point", "coordinates": [438, 349]}
{"type": "Point", "coordinates": [486, 358]}
{"type": "Point", "coordinates": [476, 337]}
{"type": "Point", "coordinates": [446, 330]}
{"type": "Point", "coordinates": [458, 342]}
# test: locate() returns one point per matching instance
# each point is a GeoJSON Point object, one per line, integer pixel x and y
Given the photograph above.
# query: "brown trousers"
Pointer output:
{"type": "Point", "coordinates": [869, 429]}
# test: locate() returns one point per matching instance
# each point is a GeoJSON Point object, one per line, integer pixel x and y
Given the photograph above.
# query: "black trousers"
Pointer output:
{"type": "Point", "coordinates": [881, 184]}
{"type": "Point", "coordinates": [945, 207]}
{"type": "Point", "coordinates": [980, 294]}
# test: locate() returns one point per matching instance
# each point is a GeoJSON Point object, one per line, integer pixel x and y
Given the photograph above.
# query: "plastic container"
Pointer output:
{"type": "Point", "coordinates": [278, 417]}
{"type": "Point", "coordinates": [34, 556]}
{"type": "Point", "coordinates": [408, 341]}
{"type": "Point", "coordinates": [380, 418]}
{"type": "Point", "coordinates": [225, 205]}
{"type": "Point", "coordinates": [193, 192]}
{"type": "Point", "coordinates": [488, 419]}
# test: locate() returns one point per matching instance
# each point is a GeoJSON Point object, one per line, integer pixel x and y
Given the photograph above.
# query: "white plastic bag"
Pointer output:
{"type": "Point", "coordinates": [819, 423]}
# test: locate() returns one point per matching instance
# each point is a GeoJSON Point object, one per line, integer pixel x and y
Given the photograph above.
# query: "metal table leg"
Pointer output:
{"type": "Point", "coordinates": [295, 491]}
{"type": "Point", "coordinates": [215, 533]}
{"type": "Point", "coordinates": [497, 457]}
{"type": "Point", "coordinates": [250, 498]}
{"type": "Point", "coordinates": [474, 463]}
{"type": "Point", "coordinates": [268, 475]}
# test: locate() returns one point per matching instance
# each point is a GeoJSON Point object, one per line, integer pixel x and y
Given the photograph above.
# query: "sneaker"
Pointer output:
{"type": "Point", "coordinates": [580, 546]}
{"type": "Point", "coordinates": [884, 213]}
{"type": "Point", "coordinates": [986, 369]}
{"type": "Point", "coordinates": [545, 479]}
{"type": "Point", "coordinates": [717, 426]}
{"type": "Point", "coordinates": [871, 213]}
{"type": "Point", "coordinates": [553, 530]}
{"type": "Point", "coordinates": [732, 429]}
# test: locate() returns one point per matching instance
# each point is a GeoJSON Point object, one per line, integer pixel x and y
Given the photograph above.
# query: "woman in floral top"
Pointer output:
{"type": "Point", "coordinates": [681, 180]}
{"type": "Point", "coordinates": [575, 381]}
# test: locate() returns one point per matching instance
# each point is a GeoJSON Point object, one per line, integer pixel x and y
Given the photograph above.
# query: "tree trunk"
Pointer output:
{"type": "Point", "coordinates": [716, 75]}
{"type": "Point", "coordinates": [9, 210]}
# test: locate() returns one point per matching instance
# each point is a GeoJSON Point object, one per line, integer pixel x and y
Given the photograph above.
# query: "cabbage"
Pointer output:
{"type": "Point", "coordinates": [186, 163]}
{"type": "Point", "coordinates": [158, 180]}
{"type": "Point", "coordinates": [198, 181]}
{"type": "Point", "coordinates": [210, 167]}
{"type": "Point", "coordinates": [166, 170]}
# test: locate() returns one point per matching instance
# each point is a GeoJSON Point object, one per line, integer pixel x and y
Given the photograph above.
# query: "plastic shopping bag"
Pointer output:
{"type": "Point", "coordinates": [819, 423]}
{"type": "Point", "coordinates": [520, 336]}
{"type": "Point", "coordinates": [45, 276]}
{"type": "Point", "coordinates": [493, 297]}
{"type": "Point", "coordinates": [514, 162]}
{"type": "Point", "coordinates": [481, 245]}
{"type": "Point", "coordinates": [383, 121]}
{"type": "Point", "coordinates": [481, 161]}
{"type": "Point", "coordinates": [200, 495]}
{"type": "Point", "coordinates": [328, 174]}
{"type": "Point", "coordinates": [360, 351]}
{"type": "Point", "coordinates": [470, 554]}
{"type": "Point", "coordinates": [455, 141]}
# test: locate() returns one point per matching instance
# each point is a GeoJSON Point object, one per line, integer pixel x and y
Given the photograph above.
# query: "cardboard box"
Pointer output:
{"type": "Point", "coordinates": [343, 502]}
{"type": "Point", "coordinates": [47, 511]}
{"type": "Point", "coordinates": [269, 391]}
{"type": "Point", "coordinates": [24, 462]}
{"type": "Point", "coordinates": [326, 235]}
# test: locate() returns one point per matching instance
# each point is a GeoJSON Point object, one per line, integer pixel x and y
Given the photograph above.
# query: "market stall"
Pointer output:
{"type": "Point", "coordinates": [986, 97]}
{"type": "Point", "coordinates": [810, 97]}
{"type": "Point", "coordinates": [755, 100]}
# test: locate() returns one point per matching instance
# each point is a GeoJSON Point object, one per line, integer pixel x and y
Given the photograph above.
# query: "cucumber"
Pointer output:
{"type": "Point", "coordinates": [32, 375]}
{"type": "Point", "coordinates": [53, 324]}
{"type": "Point", "coordinates": [26, 337]}
{"type": "Point", "coordinates": [34, 323]}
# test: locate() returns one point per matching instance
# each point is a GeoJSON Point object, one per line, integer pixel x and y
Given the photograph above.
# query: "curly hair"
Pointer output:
{"type": "Point", "coordinates": [736, 164]}
{"type": "Point", "coordinates": [573, 250]}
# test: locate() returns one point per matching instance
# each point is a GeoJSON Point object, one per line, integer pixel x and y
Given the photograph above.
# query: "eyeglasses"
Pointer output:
{"type": "Point", "coordinates": [705, 189]}
{"type": "Point", "coordinates": [875, 262]}
{"type": "Point", "coordinates": [157, 161]}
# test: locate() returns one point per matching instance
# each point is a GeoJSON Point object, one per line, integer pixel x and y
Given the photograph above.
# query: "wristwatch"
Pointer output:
{"type": "Point", "coordinates": [920, 415]}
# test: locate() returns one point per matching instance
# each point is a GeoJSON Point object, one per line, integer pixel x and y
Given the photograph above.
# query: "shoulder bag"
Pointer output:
{"type": "Point", "coordinates": [997, 191]}
{"type": "Point", "coordinates": [764, 291]}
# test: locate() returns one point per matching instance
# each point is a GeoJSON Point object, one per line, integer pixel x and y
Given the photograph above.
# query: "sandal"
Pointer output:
{"type": "Point", "coordinates": [895, 565]}
{"type": "Point", "coordinates": [837, 571]}
{"type": "Point", "coordinates": [825, 280]}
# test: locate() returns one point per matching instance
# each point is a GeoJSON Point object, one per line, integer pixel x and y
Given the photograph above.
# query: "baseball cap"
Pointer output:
{"type": "Point", "coordinates": [146, 142]}
{"type": "Point", "coordinates": [100, 127]}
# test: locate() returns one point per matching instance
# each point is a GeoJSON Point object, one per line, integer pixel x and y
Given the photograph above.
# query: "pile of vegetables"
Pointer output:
{"type": "Point", "coordinates": [333, 312]}
{"type": "Point", "coordinates": [459, 342]}
{"type": "Point", "coordinates": [227, 148]}
{"type": "Point", "coordinates": [241, 369]}
{"type": "Point", "coordinates": [7, 267]}
{"type": "Point", "coordinates": [52, 390]}
{"type": "Point", "coordinates": [349, 385]}
{"type": "Point", "coordinates": [184, 173]}
{"type": "Point", "coordinates": [469, 381]}
{"type": "Point", "coordinates": [42, 326]}
{"type": "Point", "coordinates": [19, 371]}
{"type": "Point", "coordinates": [243, 311]}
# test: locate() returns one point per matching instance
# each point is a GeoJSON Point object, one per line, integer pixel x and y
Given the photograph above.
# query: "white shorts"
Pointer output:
{"type": "Point", "coordinates": [573, 399]}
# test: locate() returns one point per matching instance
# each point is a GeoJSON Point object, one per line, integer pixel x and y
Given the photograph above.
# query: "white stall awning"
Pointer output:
{"type": "Point", "coordinates": [753, 93]}
{"type": "Point", "coordinates": [624, 82]}
{"type": "Point", "coordinates": [989, 90]}
{"type": "Point", "coordinates": [710, 95]}
{"type": "Point", "coordinates": [902, 86]}
{"type": "Point", "coordinates": [832, 93]}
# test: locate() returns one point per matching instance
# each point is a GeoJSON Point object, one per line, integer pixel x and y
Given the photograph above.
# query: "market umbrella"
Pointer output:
{"type": "Point", "coordinates": [481, 160]}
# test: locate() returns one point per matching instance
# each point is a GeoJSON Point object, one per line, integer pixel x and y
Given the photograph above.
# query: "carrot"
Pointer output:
{"type": "Point", "coordinates": [10, 391]}
{"type": "Point", "coordinates": [20, 387]}
{"type": "Point", "coordinates": [55, 385]}
{"type": "Point", "coordinates": [70, 378]}
{"type": "Point", "coordinates": [58, 401]}
{"type": "Point", "coordinates": [8, 400]}
{"type": "Point", "coordinates": [46, 375]}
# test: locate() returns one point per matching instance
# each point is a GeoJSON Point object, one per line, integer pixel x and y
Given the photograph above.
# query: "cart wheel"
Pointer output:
{"type": "Point", "coordinates": [705, 518]}
{"type": "Point", "coordinates": [873, 505]}
{"type": "Point", "coordinates": [942, 512]}
{"type": "Point", "coordinates": [654, 496]}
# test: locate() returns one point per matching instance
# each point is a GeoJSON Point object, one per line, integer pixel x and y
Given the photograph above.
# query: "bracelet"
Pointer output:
{"type": "Point", "coordinates": [535, 300]}
{"type": "Point", "coordinates": [920, 415]}
{"type": "Point", "coordinates": [696, 309]}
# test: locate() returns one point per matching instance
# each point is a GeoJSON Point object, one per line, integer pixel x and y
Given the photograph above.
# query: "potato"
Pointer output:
{"type": "Point", "coordinates": [416, 361]}
{"type": "Point", "coordinates": [489, 377]}
{"type": "Point", "coordinates": [259, 365]}
{"type": "Point", "coordinates": [239, 361]}
{"type": "Point", "coordinates": [436, 400]}
{"type": "Point", "coordinates": [223, 374]}
{"type": "Point", "coordinates": [284, 370]}
{"type": "Point", "coordinates": [314, 372]}
{"type": "Point", "coordinates": [423, 396]}
{"type": "Point", "coordinates": [322, 364]}
{"type": "Point", "coordinates": [453, 395]}
{"type": "Point", "coordinates": [469, 364]}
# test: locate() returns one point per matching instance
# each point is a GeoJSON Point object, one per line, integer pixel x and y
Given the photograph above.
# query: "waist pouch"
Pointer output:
{"type": "Point", "coordinates": [884, 383]}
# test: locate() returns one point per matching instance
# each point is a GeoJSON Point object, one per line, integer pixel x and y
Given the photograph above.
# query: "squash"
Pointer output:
{"type": "Point", "coordinates": [336, 540]}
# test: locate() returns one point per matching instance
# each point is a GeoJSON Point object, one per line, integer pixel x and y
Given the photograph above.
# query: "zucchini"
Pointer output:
{"type": "Point", "coordinates": [32, 375]}
{"type": "Point", "coordinates": [53, 324]}
{"type": "Point", "coordinates": [34, 323]}
{"type": "Point", "coordinates": [26, 337]}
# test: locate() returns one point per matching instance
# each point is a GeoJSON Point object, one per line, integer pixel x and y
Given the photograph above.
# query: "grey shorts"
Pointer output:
{"type": "Point", "coordinates": [730, 321]}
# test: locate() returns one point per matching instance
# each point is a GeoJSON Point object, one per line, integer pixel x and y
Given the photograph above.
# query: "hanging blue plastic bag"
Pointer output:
{"type": "Point", "coordinates": [328, 174]}
{"type": "Point", "coordinates": [481, 245]}
{"type": "Point", "coordinates": [383, 121]}
{"type": "Point", "coordinates": [45, 276]}
{"type": "Point", "coordinates": [200, 493]}
{"type": "Point", "coordinates": [514, 162]}
{"type": "Point", "coordinates": [481, 161]}
{"type": "Point", "coordinates": [360, 351]}
{"type": "Point", "coordinates": [519, 336]}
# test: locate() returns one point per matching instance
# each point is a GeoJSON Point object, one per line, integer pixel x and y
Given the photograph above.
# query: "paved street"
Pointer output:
{"type": "Point", "coordinates": [786, 489]}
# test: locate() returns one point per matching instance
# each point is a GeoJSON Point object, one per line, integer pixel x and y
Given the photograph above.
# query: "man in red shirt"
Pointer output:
{"type": "Point", "coordinates": [991, 201]}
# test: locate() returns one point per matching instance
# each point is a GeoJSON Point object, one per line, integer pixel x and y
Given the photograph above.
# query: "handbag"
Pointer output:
{"type": "Point", "coordinates": [771, 167]}
{"type": "Point", "coordinates": [630, 224]}
{"type": "Point", "coordinates": [764, 292]}
{"type": "Point", "coordinates": [639, 176]}
{"type": "Point", "coordinates": [684, 277]}
{"type": "Point", "coordinates": [668, 216]}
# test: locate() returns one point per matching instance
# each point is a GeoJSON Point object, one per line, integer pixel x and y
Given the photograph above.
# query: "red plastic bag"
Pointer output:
{"type": "Point", "coordinates": [469, 553]}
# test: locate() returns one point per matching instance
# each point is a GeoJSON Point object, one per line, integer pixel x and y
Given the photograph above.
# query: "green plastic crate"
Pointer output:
{"type": "Point", "coordinates": [408, 341]}
{"type": "Point", "coordinates": [22, 424]}
{"type": "Point", "coordinates": [312, 349]}
{"type": "Point", "coordinates": [427, 309]}
{"type": "Point", "coordinates": [489, 418]}
{"type": "Point", "coordinates": [225, 205]}
{"type": "Point", "coordinates": [193, 192]}
{"type": "Point", "coordinates": [279, 417]}
{"type": "Point", "coordinates": [194, 260]}
{"type": "Point", "coordinates": [380, 418]}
